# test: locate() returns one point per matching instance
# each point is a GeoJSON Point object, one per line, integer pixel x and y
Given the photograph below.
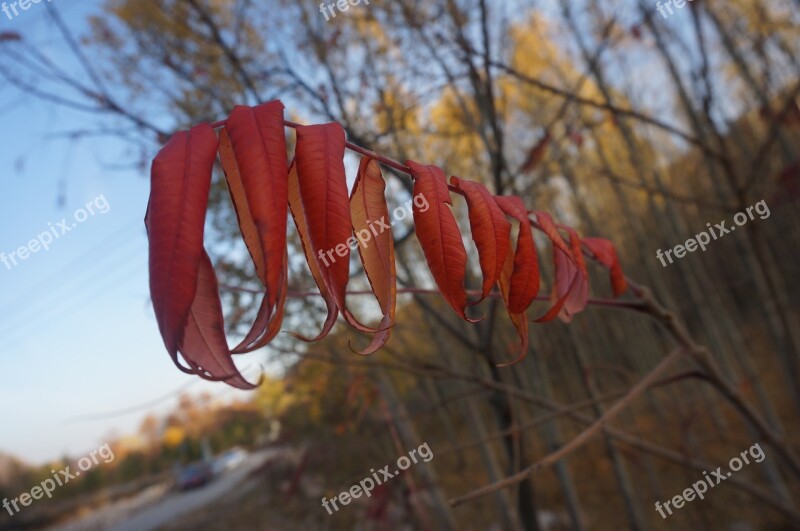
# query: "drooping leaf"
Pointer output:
{"type": "Point", "coordinates": [519, 320]}
{"type": "Point", "coordinates": [247, 225]}
{"type": "Point", "coordinates": [176, 212]}
{"type": "Point", "coordinates": [490, 231]}
{"type": "Point", "coordinates": [370, 216]}
{"type": "Point", "coordinates": [299, 217]}
{"type": "Point", "coordinates": [566, 273]}
{"type": "Point", "coordinates": [605, 252]}
{"type": "Point", "coordinates": [253, 155]}
{"type": "Point", "coordinates": [439, 235]}
{"type": "Point", "coordinates": [577, 292]}
{"type": "Point", "coordinates": [323, 191]}
{"type": "Point", "coordinates": [204, 344]}
{"type": "Point", "coordinates": [526, 278]}
{"type": "Point", "coordinates": [183, 285]}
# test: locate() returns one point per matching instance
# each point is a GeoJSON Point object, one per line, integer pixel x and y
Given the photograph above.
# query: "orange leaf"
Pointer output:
{"type": "Point", "coordinates": [439, 235]}
{"type": "Point", "coordinates": [370, 216]}
{"type": "Point", "coordinates": [490, 231]}
{"type": "Point", "coordinates": [526, 278]}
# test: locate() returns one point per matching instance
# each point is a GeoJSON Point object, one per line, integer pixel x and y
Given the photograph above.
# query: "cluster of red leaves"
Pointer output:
{"type": "Point", "coordinates": [265, 189]}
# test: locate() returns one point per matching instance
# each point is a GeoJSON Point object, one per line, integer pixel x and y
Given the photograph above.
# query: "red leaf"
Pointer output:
{"type": "Point", "coordinates": [490, 231]}
{"type": "Point", "coordinates": [578, 289]}
{"type": "Point", "coordinates": [526, 277]}
{"type": "Point", "coordinates": [253, 154]}
{"type": "Point", "coordinates": [368, 210]}
{"type": "Point", "coordinates": [183, 285]}
{"type": "Point", "coordinates": [176, 212]}
{"type": "Point", "coordinates": [299, 217]}
{"type": "Point", "coordinates": [204, 345]}
{"type": "Point", "coordinates": [536, 154]}
{"type": "Point", "coordinates": [791, 118]}
{"type": "Point", "coordinates": [255, 166]}
{"type": "Point", "coordinates": [605, 252]}
{"type": "Point", "coordinates": [567, 277]}
{"type": "Point", "coordinates": [323, 191]}
{"type": "Point", "coordinates": [519, 320]}
{"type": "Point", "coordinates": [439, 235]}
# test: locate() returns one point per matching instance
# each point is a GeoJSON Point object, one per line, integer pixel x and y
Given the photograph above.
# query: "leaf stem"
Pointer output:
{"type": "Point", "coordinates": [352, 147]}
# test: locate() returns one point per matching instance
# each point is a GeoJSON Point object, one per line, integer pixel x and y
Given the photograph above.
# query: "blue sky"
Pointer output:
{"type": "Point", "coordinates": [77, 333]}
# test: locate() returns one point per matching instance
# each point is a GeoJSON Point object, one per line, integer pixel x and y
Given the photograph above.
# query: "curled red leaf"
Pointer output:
{"type": "Point", "coordinates": [370, 215]}
{"type": "Point", "coordinates": [176, 212]}
{"type": "Point", "coordinates": [491, 232]}
{"type": "Point", "coordinates": [519, 319]}
{"type": "Point", "coordinates": [299, 217]}
{"type": "Point", "coordinates": [526, 277]}
{"type": "Point", "coordinates": [577, 290]}
{"type": "Point", "coordinates": [183, 286]}
{"type": "Point", "coordinates": [566, 273]}
{"type": "Point", "coordinates": [323, 191]}
{"type": "Point", "coordinates": [253, 154]}
{"type": "Point", "coordinates": [439, 235]}
{"type": "Point", "coordinates": [605, 253]}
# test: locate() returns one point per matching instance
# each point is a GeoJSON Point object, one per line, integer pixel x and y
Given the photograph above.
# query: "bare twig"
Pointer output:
{"type": "Point", "coordinates": [581, 439]}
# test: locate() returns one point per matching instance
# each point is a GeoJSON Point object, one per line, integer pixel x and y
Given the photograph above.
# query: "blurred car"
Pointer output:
{"type": "Point", "coordinates": [229, 460]}
{"type": "Point", "coordinates": [194, 475]}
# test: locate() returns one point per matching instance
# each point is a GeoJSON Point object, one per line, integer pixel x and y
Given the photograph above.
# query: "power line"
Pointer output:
{"type": "Point", "coordinates": [113, 237]}
{"type": "Point", "coordinates": [150, 404]}
{"type": "Point", "coordinates": [83, 270]}
{"type": "Point", "coordinates": [35, 319]}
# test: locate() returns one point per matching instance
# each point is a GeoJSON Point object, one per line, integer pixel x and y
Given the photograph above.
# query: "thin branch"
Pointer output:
{"type": "Point", "coordinates": [630, 113]}
{"type": "Point", "coordinates": [581, 439]}
{"type": "Point", "coordinates": [628, 305]}
{"type": "Point", "coordinates": [229, 53]}
{"type": "Point", "coordinates": [577, 406]}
